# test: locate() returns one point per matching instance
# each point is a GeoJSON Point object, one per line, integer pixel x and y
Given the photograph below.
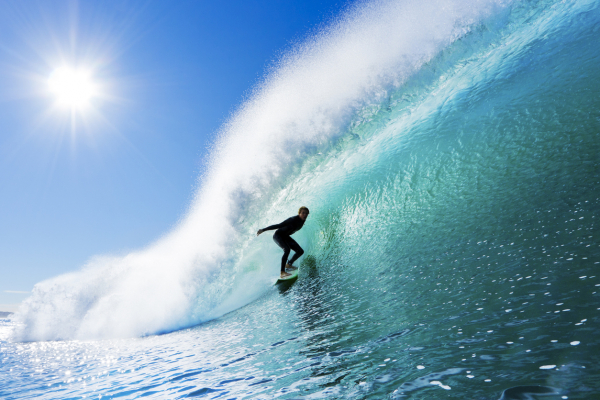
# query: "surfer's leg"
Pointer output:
{"type": "Point", "coordinates": [297, 250]}
{"type": "Point", "coordinates": [286, 254]}
{"type": "Point", "coordinates": [282, 242]}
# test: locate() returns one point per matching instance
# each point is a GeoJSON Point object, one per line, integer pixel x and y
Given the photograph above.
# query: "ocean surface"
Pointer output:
{"type": "Point", "coordinates": [449, 153]}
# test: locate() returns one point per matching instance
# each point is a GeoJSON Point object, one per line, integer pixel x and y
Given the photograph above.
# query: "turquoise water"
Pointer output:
{"type": "Point", "coordinates": [452, 248]}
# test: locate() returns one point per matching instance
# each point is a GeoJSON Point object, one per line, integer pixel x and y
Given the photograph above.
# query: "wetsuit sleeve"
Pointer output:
{"type": "Point", "coordinates": [270, 228]}
{"type": "Point", "coordinates": [281, 225]}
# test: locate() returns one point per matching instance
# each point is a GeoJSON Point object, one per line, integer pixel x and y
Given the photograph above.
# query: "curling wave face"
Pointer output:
{"type": "Point", "coordinates": [408, 129]}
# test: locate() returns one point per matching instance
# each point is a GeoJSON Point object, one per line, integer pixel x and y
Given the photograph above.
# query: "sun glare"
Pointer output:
{"type": "Point", "coordinates": [73, 88]}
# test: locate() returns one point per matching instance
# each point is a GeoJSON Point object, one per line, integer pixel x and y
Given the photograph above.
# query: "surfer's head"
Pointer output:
{"type": "Point", "coordinates": [303, 213]}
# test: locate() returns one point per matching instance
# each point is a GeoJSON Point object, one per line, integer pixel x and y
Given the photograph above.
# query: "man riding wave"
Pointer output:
{"type": "Point", "coordinates": [283, 239]}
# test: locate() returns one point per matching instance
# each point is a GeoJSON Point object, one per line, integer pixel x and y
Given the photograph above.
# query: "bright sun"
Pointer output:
{"type": "Point", "coordinates": [73, 88]}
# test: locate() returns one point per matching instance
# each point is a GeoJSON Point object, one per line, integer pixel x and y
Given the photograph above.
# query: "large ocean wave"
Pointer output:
{"type": "Point", "coordinates": [412, 130]}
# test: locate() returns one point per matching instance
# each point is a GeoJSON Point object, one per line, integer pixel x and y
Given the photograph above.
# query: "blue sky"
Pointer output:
{"type": "Point", "coordinates": [117, 175]}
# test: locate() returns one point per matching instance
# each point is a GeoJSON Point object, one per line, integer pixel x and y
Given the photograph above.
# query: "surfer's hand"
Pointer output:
{"type": "Point", "coordinates": [259, 232]}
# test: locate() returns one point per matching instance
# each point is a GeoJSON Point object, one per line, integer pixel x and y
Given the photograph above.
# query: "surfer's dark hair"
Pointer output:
{"type": "Point", "coordinates": [303, 208]}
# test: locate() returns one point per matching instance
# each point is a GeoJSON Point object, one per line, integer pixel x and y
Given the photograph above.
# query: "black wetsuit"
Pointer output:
{"type": "Point", "coordinates": [283, 239]}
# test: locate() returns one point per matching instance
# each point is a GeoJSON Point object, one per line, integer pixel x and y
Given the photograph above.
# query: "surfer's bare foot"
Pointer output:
{"type": "Point", "coordinates": [290, 267]}
{"type": "Point", "coordinates": [285, 275]}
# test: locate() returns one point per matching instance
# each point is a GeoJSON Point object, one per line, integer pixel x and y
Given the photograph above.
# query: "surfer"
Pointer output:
{"type": "Point", "coordinates": [283, 239]}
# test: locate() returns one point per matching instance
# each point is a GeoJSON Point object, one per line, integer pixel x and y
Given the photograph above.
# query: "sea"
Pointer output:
{"type": "Point", "coordinates": [449, 153]}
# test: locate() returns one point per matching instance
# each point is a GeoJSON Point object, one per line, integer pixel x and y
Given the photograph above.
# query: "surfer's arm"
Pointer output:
{"type": "Point", "coordinates": [269, 228]}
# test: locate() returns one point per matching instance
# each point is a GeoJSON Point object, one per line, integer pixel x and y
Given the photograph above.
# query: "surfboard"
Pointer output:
{"type": "Point", "coordinates": [289, 279]}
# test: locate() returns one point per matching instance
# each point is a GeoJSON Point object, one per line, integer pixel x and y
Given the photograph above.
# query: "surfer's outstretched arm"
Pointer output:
{"type": "Point", "coordinates": [277, 226]}
{"type": "Point", "coordinates": [270, 228]}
